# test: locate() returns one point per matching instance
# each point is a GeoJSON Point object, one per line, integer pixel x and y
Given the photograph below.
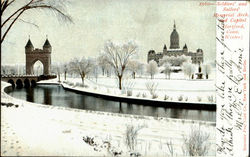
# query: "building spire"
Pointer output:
{"type": "Point", "coordinates": [29, 44]}
{"type": "Point", "coordinates": [174, 25]}
{"type": "Point", "coordinates": [46, 44]}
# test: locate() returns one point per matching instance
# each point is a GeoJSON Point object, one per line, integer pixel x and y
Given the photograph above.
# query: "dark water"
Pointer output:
{"type": "Point", "coordinates": [57, 96]}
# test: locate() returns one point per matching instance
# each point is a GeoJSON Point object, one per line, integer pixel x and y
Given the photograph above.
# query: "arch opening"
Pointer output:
{"type": "Point", "coordinates": [26, 83]}
{"type": "Point", "coordinates": [12, 83]}
{"type": "Point", "coordinates": [19, 83]}
{"type": "Point", "coordinates": [37, 68]}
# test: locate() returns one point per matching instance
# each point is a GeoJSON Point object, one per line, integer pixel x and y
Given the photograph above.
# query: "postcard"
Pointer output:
{"type": "Point", "coordinates": [124, 78]}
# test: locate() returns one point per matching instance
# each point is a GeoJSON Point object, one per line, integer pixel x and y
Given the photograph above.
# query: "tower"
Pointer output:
{"type": "Point", "coordinates": [164, 50]}
{"type": "Point", "coordinates": [29, 46]}
{"type": "Point", "coordinates": [174, 39]}
{"type": "Point", "coordinates": [185, 49]}
{"type": "Point", "coordinates": [33, 55]}
{"type": "Point", "coordinates": [47, 46]}
{"type": "Point", "coordinates": [151, 55]}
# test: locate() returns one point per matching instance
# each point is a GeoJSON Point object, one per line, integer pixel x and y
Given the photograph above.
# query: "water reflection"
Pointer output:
{"type": "Point", "coordinates": [30, 94]}
{"type": "Point", "coordinates": [57, 96]}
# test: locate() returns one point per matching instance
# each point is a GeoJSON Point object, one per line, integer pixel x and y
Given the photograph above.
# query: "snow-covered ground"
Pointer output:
{"type": "Point", "coordinates": [178, 89]}
{"type": "Point", "coordinates": [48, 130]}
{"type": "Point", "coordinates": [185, 90]}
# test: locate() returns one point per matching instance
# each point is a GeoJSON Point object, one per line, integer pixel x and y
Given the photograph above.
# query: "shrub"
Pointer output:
{"type": "Point", "coordinates": [84, 86]}
{"type": "Point", "coordinates": [152, 87]}
{"type": "Point", "coordinates": [7, 104]}
{"type": "Point", "coordinates": [78, 84]}
{"type": "Point", "coordinates": [196, 143]}
{"type": "Point", "coordinates": [70, 83]}
{"type": "Point", "coordinates": [131, 136]}
{"type": "Point", "coordinates": [127, 87]}
{"type": "Point", "coordinates": [154, 96]}
{"type": "Point", "coordinates": [138, 94]}
{"type": "Point", "coordinates": [129, 93]}
{"type": "Point", "coordinates": [210, 98]}
{"type": "Point", "coordinates": [144, 95]}
{"type": "Point", "coordinates": [199, 98]}
{"type": "Point", "coordinates": [180, 98]}
{"type": "Point", "coordinates": [186, 98]}
{"type": "Point", "coordinates": [166, 97]}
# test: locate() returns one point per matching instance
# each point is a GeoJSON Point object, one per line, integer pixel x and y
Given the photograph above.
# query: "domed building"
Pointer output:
{"type": "Point", "coordinates": [174, 39]}
{"type": "Point", "coordinates": [174, 50]}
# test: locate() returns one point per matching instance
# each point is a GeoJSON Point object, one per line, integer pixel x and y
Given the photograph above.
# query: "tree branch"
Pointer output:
{"type": "Point", "coordinates": [2, 39]}
{"type": "Point", "coordinates": [29, 23]}
{"type": "Point", "coordinates": [5, 4]}
{"type": "Point", "coordinates": [18, 10]}
{"type": "Point", "coordinates": [32, 4]}
{"type": "Point", "coordinates": [53, 8]}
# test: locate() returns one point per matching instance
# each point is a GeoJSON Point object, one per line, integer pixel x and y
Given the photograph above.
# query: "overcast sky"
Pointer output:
{"type": "Point", "coordinates": [148, 22]}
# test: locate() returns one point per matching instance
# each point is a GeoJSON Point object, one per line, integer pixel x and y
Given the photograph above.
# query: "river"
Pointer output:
{"type": "Point", "coordinates": [55, 95]}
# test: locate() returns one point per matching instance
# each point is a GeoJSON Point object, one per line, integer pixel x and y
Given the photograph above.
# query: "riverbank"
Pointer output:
{"type": "Point", "coordinates": [34, 129]}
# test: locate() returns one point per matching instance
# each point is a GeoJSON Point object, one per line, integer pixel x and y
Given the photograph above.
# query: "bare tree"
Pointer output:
{"type": "Point", "coordinates": [4, 70]}
{"type": "Point", "coordinates": [8, 70]}
{"type": "Point", "coordinates": [188, 69]}
{"type": "Point", "coordinates": [182, 59]}
{"type": "Point", "coordinates": [152, 68]}
{"type": "Point", "coordinates": [95, 70]}
{"type": "Point", "coordinates": [206, 68]}
{"type": "Point", "coordinates": [141, 69]}
{"type": "Point", "coordinates": [57, 7]}
{"type": "Point", "coordinates": [102, 62]}
{"type": "Point", "coordinates": [166, 59]}
{"type": "Point", "coordinates": [20, 69]}
{"type": "Point", "coordinates": [131, 136]}
{"type": "Point", "coordinates": [65, 68]}
{"type": "Point", "coordinates": [83, 67]}
{"type": "Point", "coordinates": [167, 70]}
{"type": "Point", "coordinates": [196, 143]}
{"type": "Point", "coordinates": [118, 56]}
{"type": "Point", "coordinates": [133, 66]}
{"type": "Point", "coordinates": [57, 68]}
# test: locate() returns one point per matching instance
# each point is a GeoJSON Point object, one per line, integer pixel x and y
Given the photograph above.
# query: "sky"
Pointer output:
{"type": "Point", "coordinates": [148, 23]}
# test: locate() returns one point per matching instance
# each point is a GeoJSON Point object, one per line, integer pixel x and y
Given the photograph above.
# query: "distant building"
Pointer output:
{"type": "Point", "coordinates": [174, 50]}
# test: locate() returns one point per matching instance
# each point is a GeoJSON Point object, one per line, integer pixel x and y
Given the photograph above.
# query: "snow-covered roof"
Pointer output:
{"type": "Point", "coordinates": [175, 67]}
{"type": "Point", "coordinates": [175, 49]}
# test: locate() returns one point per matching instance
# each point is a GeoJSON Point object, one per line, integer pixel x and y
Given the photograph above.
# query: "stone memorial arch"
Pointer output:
{"type": "Point", "coordinates": [33, 55]}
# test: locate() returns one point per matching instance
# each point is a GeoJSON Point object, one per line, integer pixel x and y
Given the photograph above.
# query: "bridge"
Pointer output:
{"type": "Point", "coordinates": [20, 81]}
